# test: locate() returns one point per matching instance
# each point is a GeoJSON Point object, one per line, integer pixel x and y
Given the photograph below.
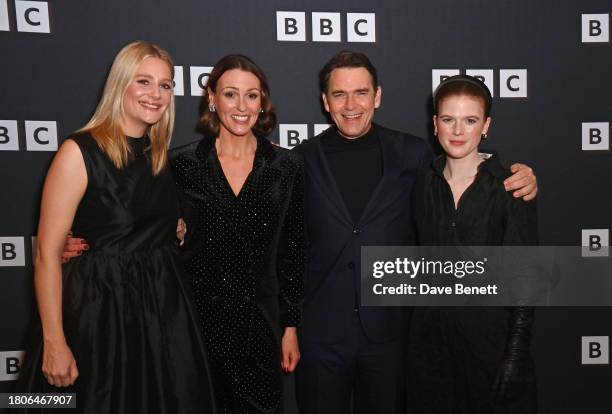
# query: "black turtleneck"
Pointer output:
{"type": "Point", "coordinates": [357, 166]}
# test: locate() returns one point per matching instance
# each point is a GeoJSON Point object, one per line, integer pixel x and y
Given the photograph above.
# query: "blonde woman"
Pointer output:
{"type": "Point", "coordinates": [116, 326]}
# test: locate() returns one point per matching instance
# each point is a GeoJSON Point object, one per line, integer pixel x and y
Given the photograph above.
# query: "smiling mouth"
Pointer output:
{"type": "Point", "coordinates": [150, 106]}
{"type": "Point", "coordinates": [240, 118]}
{"type": "Point", "coordinates": [351, 116]}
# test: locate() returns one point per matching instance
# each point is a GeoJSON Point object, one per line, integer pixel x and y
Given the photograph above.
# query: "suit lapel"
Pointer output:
{"type": "Point", "coordinates": [389, 184]}
{"type": "Point", "coordinates": [324, 181]}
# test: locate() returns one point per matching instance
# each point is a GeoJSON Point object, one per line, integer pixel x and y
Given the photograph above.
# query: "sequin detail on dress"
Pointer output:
{"type": "Point", "coordinates": [245, 255]}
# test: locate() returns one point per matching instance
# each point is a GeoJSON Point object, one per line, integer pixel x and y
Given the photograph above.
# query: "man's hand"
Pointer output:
{"type": "Point", "coordinates": [290, 349]}
{"type": "Point", "coordinates": [523, 182]}
{"type": "Point", "coordinates": [73, 247]}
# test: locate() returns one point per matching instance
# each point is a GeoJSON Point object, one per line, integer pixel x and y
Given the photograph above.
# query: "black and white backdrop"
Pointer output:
{"type": "Point", "coordinates": [548, 64]}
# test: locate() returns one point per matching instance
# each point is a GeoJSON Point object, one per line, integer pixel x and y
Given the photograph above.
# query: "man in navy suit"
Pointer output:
{"type": "Point", "coordinates": [358, 180]}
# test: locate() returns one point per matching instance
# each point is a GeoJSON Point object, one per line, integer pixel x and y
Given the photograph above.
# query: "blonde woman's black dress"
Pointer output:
{"type": "Point", "coordinates": [127, 318]}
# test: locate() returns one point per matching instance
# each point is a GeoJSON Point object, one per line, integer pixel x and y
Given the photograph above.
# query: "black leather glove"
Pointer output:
{"type": "Point", "coordinates": [516, 369]}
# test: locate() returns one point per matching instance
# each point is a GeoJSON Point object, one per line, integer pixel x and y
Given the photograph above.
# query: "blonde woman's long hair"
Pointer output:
{"type": "Point", "coordinates": [105, 126]}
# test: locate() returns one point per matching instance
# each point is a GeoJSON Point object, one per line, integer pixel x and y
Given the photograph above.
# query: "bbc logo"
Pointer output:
{"type": "Point", "coordinates": [595, 350]}
{"type": "Point", "coordinates": [326, 27]}
{"type": "Point", "coordinates": [40, 135]}
{"type": "Point", "coordinates": [198, 77]}
{"type": "Point", "coordinates": [292, 135]}
{"type": "Point", "coordinates": [12, 252]}
{"type": "Point", "coordinates": [10, 365]}
{"type": "Point", "coordinates": [595, 136]}
{"type": "Point", "coordinates": [31, 16]}
{"type": "Point", "coordinates": [512, 82]}
{"type": "Point", "coordinates": [595, 242]}
{"type": "Point", "coordinates": [595, 28]}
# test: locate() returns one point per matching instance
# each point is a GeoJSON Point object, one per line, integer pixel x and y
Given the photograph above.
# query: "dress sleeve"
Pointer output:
{"type": "Point", "coordinates": [527, 283]}
{"type": "Point", "coordinates": [291, 257]}
{"type": "Point", "coordinates": [521, 223]}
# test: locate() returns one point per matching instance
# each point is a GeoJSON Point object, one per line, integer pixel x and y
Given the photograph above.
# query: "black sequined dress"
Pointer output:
{"type": "Point", "coordinates": [127, 318]}
{"type": "Point", "coordinates": [245, 255]}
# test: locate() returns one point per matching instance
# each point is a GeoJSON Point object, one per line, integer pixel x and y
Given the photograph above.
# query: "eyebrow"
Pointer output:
{"type": "Point", "coordinates": [143, 75]}
{"type": "Point", "coordinates": [236, 89]}
{"type": "Point", "coordinates": [452, 116]}
{"type": "Point", "coordinates": [356, 90]}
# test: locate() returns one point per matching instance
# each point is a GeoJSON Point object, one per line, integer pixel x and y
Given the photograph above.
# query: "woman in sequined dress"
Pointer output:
{"type": "Point", "coordinates": [242, 201]}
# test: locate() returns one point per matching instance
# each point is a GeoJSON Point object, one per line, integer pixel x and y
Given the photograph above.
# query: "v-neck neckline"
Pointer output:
{"type": "Point", "coordinates": [223, 177]}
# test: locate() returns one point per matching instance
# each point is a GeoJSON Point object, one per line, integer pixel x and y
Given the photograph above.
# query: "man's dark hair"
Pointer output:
{"type": "Point", "coordinates": [347, 59]}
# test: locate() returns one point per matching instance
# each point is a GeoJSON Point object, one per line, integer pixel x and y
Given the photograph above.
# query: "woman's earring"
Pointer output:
{"type": "Point", "coordinates": [261, 111]}
{"type": "Point", "coordinates": [483, 136]}
{"type": "Point", "coordinates": [212, 108]}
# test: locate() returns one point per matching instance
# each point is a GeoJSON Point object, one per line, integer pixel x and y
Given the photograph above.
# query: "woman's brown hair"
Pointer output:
{"type": "Point", "coordinates": [209, 121]}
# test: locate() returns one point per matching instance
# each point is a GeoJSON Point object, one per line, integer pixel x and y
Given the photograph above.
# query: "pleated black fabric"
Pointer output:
{"type": "Point", "coordinates": [127, 317]}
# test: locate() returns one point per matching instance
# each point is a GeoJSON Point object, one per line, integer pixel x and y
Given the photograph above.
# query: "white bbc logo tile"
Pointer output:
{"type": "Point", "coordinates": [9, 135]}
{"type": "Point", "coordinates": [4, 19]}
{"type": "Point", "coordinates": [291, 135]}
{"type": "Point", "coordinates": [595, 28]}
{"type": "Point", "coordinates": [485, 75]}
{"type": "Point", "coordinates": [318, 128]}
{"type": "Point", "coordinates": [32, 16]}
{"type": "Point", "coordinates": [10, 365]}
{"type": "Point", "coordinates": [199, 79]}
{"type": "Point", "coordinates": [326, 27]}
{"type": "Point", "coordinates": [513, 83]}
{"type": "Point", "coordinates": [595, 350]}
{"type": "Point", "coordinates": [595, 136]}
{"type": "Point", "coordinates": [290, 26]}
{"type": "Point", "coordinates": [595, 242]}
{"type": "Point", "coordinates": [41, 135]}
{"type": "Point", "coordinates": [12, 252]}
{"type": "Point", "coordinates": [178, 82]}
{"type": "Point", "coordinates": [438, 75]}
{"type": "Point", "coordinates": [361, 27]}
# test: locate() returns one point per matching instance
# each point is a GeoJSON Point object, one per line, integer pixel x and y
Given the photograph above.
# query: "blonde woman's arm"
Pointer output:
{"type": "Point", "coordinates": [64, 187]}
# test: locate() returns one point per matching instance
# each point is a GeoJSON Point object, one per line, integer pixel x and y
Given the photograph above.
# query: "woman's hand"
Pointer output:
{"type": "Point", "coordinates": [290, 349]}
{"type": "Point", "coordinates": [73, 247]}
{"type": "Point", "coordinates": [181, 230]}
{"type": "Point", "coordinates": [59, 366]}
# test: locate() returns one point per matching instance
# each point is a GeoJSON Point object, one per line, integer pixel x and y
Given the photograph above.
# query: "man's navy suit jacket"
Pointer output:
{"type": "Point", "coordinates": [332, 280]}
